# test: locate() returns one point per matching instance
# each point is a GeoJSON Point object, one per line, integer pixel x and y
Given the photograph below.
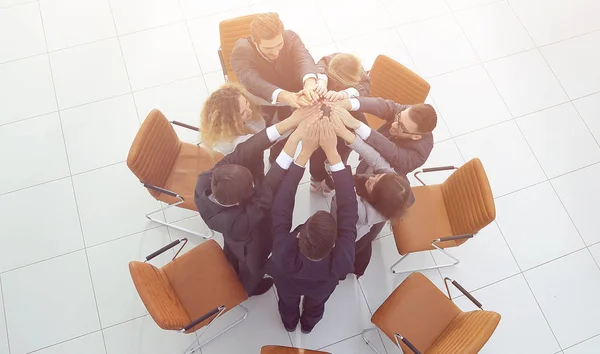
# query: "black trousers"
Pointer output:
{"type": "Point", "coordinates": [313, 304]}
{"type": "Point", "coordinates": [248, 261]}
{"type": "Point", "coordinates": [364, 249]}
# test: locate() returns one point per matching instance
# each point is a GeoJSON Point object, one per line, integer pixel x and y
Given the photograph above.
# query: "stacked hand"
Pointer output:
{"type": "Point", "coordinates": [333, 96]}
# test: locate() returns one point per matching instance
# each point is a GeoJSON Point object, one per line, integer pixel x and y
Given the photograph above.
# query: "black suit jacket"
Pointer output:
{"type": "Point", "coordinates": [404, 155]}
{"type": "Point", "coordinates": [261, 77]}
{"type": "Point", "coordinates": [251, 220]}
{"type": "Point", "coordinates": [287, 261]}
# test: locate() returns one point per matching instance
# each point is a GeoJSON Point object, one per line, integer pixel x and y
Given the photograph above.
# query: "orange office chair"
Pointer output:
{"type": "Point", "coordinates": [191, 292]}
{"type": "Point", "coordinates": [276, 349]}
{"type": "Point", "coordinates": [419, 318]}
{"type": "Point", "coordinates": [230, 31]}
{"type": "Point", "coordinates": [445, 215]}
{"type": "Point", "coordinates": [168, 167]}
{"type": "Point", "coordinates": [393, 81]}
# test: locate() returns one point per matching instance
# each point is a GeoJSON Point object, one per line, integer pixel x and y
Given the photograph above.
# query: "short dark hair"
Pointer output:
{"type": "Point", "coordinates": [424, 117]}
{"type": "Point", "coordinates": [390, 195]}
{"type": "Point", "coordinates": [265, 26]}
{"type": "Point", "coordinates": [318, 235]}
{"type": "Point", "coordinates": [231, 184]}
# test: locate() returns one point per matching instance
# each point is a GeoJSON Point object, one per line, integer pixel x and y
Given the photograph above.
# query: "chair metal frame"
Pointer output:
{"type": "Point", "coordinates": [437, 240]}
{"type": "Point", "coordinates": [218, 311]}
{"type": "Point", "coordinates": [399, 338]}
{"type": "Point", "coordinates": [174, 195]}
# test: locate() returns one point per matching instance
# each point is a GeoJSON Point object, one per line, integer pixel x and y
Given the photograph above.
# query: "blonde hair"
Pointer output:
{"type": "Point", "coordinates": [221, 118]}
{"type": "Point", "coordinates": [344, 71]}
{"type": "Point", "coordinates": [265, 26]}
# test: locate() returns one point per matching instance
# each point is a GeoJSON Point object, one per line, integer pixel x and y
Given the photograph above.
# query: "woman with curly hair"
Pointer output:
{"type": "Point", "coordinates": [228, 119]}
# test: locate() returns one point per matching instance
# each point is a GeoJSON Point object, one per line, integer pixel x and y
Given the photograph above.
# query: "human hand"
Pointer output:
{"type": "Point", "coordinates": [293, 99]}
{"type": "Point", "coordinates": [327, 137]}
{"type": "Point", "coordinates": [345, 117]}
{"type": "Point", "coordinates": [345, 104]}
{"type": "Point", "coordinates": [321, 88]}
{"type": "Point", "coordinates": [303, 113]}
{"type": "Point", "coordinates": [340, 129]}
{"type": "Point", "coordinates": [333, 96]}
{"type": "Point", "coordinates": [309, 90]}
{"type": "Point", "coordinates": [311, 138]}
{"type": "Point", "coordinates": [311, 117]}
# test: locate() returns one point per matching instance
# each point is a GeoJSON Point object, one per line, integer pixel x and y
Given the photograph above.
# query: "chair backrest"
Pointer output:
{"type": "Point", "coordinates": [230, 31]}
{"type": "Point", "coordinates": [158, 296]}
{"type": "Point", "coordinates": [276, 349]}
{"type": "Point", "coordinates": [468, 199]}
{"type": "Point", "coordinates": [154, 151]}
{"type": "Point", "coordinates": [417, 310]}
{"type": "Point", "coordinates": [203, 279]}
{"type": "Point", "coordinates": [467, 333]}
{"type": "Point", "coordinates": [393, 81]}
{"type": "Point", "coordinates": [188, 287]}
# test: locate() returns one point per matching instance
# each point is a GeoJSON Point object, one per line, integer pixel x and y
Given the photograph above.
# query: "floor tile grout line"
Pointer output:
{"type": "Point", "coordinates": [4, 312]}
{"type": "Point", "coordinates": [189, 32]}
{"type": "Point", "coordinates": [17, 4]}
{"type": "Point", "coordinates": [370, 311]}
{"type": "Point", "coordinates": [583, 341]}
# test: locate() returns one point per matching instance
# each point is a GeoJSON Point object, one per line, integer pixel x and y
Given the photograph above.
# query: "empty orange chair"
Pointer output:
{"type": "Point", "coordinates": [191, 292]}
{"type": "Point", "coordinates": [276, 349]}
{"type": "Point", "coordinates": [419, 318]}
{"type": "Point", "coordinates": [167, 166]}
{"type": "Point", "coordinates": [445, 215]}
{"type": "Point", "coordinates": [230, 31]}
{"type": "Point", "coordinates": [391, 80]}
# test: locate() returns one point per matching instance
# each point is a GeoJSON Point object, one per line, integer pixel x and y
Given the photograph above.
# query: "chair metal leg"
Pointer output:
{"type": "Point", "coordinates": [196, 344]}
{"type": "Point", "coordinates": [364, 335]}
{"type": "Point", "coordinates": [456, 261]}
{"type": "Point", "coordinates": [212, 233]}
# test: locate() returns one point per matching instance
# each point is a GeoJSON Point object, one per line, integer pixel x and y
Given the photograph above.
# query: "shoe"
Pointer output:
{"type": "Point", "coordinates": [304, 330]}
{"type": "Point", "coordinates": [327, 191]}
{"type": "Point", "coordinates": [263, 286]}
{"type": "Point", "coordinates": [315, 185]}
{"type": "Point", "coordinates": [290, 329]}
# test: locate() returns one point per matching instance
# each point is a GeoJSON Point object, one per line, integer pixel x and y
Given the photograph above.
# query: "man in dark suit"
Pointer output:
{"type": "Point", "coordinates": [274, 65]}
{"type": "Point", "coordinates": [310, 259]}
{"type": "Point", "coordinates": [230, 203]}
{"type": "Point", "coordinates": [405, 140]}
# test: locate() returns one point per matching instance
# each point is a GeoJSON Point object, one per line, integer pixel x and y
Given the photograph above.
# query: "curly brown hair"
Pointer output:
{"type": "Point", "coordinates": [220, 118]}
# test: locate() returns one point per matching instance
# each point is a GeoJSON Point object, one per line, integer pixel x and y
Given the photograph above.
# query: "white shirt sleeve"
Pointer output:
{"type": "Point", "coordinates": [337, 167]}
{"type": "Point", "coordinates": [322, 77]}
{"type": "Point", "coordinates": [364, 131]}
{"type": "Point", "coordinates": [273, 134]}
{"type": "Point", "coordinates": [308, 76]}
{"type": "Point", "coordinates": [352, 92]}
{"type": "Point", "coordinates": [274, 95]}
{"type": "Point", "coordinates": [284, 160]}
{"type": "Point", "coordinates": [355, 104]}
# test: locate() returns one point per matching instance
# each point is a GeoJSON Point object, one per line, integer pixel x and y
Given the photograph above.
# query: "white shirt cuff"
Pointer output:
{"type": "Point", "coordinates": [337, 167]}
{"type": "Point", "coordinates": [352, 92]}
{"type": "Point", "coordinates": [284, 160]}
{"type": "Point", "coordinates": [273, 134]}
{"type": "Point", "coordinates": [355, 104]}
{"type": "Point", "coordinates": [274, 95]}
{"type": "Point", "coordinates": [363, 131]}
{"type": "Point", "coordinates": [308, 76]}
{"type": "Point", "coordinates": [322, 77]}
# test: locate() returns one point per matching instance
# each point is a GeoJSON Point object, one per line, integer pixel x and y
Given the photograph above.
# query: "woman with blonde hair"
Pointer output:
{"type": "Point", "coordinates": [344, 77]}
{"type": "Point", "coordinates": [229, 118]}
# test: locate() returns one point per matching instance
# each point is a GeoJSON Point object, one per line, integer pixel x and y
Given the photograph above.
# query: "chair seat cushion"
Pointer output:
{"type": "Point", "coordinates": [417, 310]}
{"type": "Point", "coordinates": [276, 349]}
{"type": "Point", "coordinates": [424, 221]}
{"type": "Point", "coordinates": [190, 163]}
{"type": "Point", "coordinates": [203, 279]}
{"type": "Point", "coordinates": [467, 333]}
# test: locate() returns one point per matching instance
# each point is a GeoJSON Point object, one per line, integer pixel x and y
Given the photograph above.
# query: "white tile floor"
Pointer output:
{"type": "Point", "coordinates": [516, 83]}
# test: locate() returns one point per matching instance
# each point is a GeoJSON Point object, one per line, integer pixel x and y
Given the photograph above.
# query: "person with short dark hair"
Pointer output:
{"type": "Point", "coordinates": [229, 202]}
{"type": "Point", "coordinates": [405, 140]}
{"type": "Point", "coordinates": [309, 260]}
